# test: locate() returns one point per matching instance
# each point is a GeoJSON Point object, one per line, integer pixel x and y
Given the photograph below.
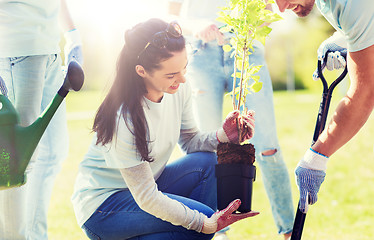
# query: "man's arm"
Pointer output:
{"type": "Point", "coordinates": [355, 108]}
{"type": "Point", "coordinates": [73, 45]}
{"type": "Point", "coordinates": [67, 23]}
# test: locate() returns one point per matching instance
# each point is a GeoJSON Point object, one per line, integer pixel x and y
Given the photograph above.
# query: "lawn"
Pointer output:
{"type": "Point", "coordinates": [346, 200]}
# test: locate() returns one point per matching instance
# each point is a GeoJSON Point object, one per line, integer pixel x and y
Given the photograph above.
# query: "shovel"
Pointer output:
{"type": "Point", "coordinates": [320, 125]}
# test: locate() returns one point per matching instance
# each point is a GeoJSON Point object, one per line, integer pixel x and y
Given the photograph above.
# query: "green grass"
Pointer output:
{"type": "Point", "coordinates": [345, 207]}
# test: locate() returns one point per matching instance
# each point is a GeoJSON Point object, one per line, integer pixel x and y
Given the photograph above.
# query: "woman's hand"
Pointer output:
{"type": "Point", "coordinates": [235, 125]}
{"type": "Point", "coordinates": [224, 218]}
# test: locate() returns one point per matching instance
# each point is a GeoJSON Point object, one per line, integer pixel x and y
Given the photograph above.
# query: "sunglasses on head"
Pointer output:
{"type": "Point", "coordinates": [160, 39]}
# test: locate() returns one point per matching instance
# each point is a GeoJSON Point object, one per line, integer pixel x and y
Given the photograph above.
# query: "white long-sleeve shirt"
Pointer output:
{"type": "Point", "coordinates": [170, 121]}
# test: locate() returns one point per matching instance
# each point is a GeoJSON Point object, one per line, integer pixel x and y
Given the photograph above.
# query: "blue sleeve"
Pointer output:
{"type": "Point", "coordinates": [354, 18]}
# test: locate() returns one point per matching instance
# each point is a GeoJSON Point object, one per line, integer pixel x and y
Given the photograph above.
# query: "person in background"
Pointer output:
{"type": "Point", "coordinates": [30, 66]}
{"type": "Point", "coordinates": [209, 71]}
{"type": "Point", "coordinates": [354, 20]}
{"type": "Point", "coordinates": [126, 188]}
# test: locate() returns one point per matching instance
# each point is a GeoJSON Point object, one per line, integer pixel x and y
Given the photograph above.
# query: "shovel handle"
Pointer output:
{"type": "Point", "coordinates": [320, 125]}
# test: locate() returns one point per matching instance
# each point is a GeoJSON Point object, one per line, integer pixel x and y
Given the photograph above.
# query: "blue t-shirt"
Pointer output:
{"type": "Point", "coordinates": [354, 18]}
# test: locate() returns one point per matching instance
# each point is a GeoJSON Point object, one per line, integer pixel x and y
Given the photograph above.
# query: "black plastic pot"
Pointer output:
{"type": "Point", "coordinates": [235, 181]}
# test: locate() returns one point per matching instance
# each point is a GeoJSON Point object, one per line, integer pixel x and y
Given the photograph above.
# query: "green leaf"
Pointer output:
{"type": "Point", "coordinates": [221, 19]}
{"type": "Point", "coordinates": [254, 69]}
{"type": "Point", "coordinates": [256, 78]}
{"type": "Point", "coordinates": [256, 87]}
{"type": "Point", "coordinates": [226, 48]}
{"type": "Point", "coordinates": [238, 75]}
{"type": "Point", "coordinates": [270, 16]}
{"type": "Point", "coordinates": [247, 19]}
{"type": "Point", "coordinates": [262, 33]}
{"type": "Point", "coordinates": [239, 64]}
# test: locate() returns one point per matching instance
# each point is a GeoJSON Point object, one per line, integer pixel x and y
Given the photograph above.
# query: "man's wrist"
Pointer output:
{"type": "Point", "coordinates": [72, 38]}
{"type": "Point", "coordinates": [314, 160]}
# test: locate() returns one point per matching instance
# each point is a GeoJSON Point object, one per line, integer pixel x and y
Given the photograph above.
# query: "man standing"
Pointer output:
{"type": "Point", "coordinates": [209, 71]}
{"type": "Point", "coordinates": [30, 65]}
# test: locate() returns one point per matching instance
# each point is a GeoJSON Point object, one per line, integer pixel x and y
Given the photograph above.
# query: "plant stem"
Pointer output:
{"type": "Point", "coordinates": [242, 76]}
{"type": "Point", "coordinates": [234, 82]}
{"type": "Point", "coordinates": [241, 89]}
{"type": "Point", "coordinates": [239, 129]}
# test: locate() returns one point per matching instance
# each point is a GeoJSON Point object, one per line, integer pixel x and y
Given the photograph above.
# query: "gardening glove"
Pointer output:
{"type": "Point", "coordinates": [310, 173]}
{"type": "Point", "coordinates": [225, 217]}
{"type": "Point", "coordinates": [73, 47]}
{"type": "Point", "coordinates": [229, 131]}
{"type": "Point", "coordinates": [332, 53]}
{"type": "Point", "coordinates": [3, 89]}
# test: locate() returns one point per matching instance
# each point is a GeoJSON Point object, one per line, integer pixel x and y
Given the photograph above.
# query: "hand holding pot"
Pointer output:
{"type": "Point", "coordinates": [225, 217]}
{"type": "Point", "coordinates": [230, 129]}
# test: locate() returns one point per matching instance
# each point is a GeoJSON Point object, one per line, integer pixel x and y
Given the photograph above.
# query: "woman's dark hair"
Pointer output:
{"type": "Point", "coordinates": [128, 88]}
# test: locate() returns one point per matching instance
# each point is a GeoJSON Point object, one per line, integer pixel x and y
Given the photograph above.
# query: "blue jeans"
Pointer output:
{"type": "Point", "coordinates": [189, 180]}
{"type": "Point", "coordinates": [209, 71]}
{"type": "Point", "coordinates": [32, 82]}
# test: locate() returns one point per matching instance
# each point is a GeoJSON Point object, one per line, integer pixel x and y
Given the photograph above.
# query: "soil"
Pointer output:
{"type": "Point", "coordinates": [235, 153]}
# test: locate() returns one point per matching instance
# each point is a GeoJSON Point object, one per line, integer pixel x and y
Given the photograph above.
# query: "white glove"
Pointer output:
{"type": "Point", "coordinates": [310, 174]}
{"type": "Point", "coordinates": [332, 53]}
{"type": "Point", "coordinates": [73, 47]}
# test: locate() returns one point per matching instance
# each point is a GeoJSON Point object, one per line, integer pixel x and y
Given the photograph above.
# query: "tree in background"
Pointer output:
{"type": "Point", "coordinates": [297, 47]}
